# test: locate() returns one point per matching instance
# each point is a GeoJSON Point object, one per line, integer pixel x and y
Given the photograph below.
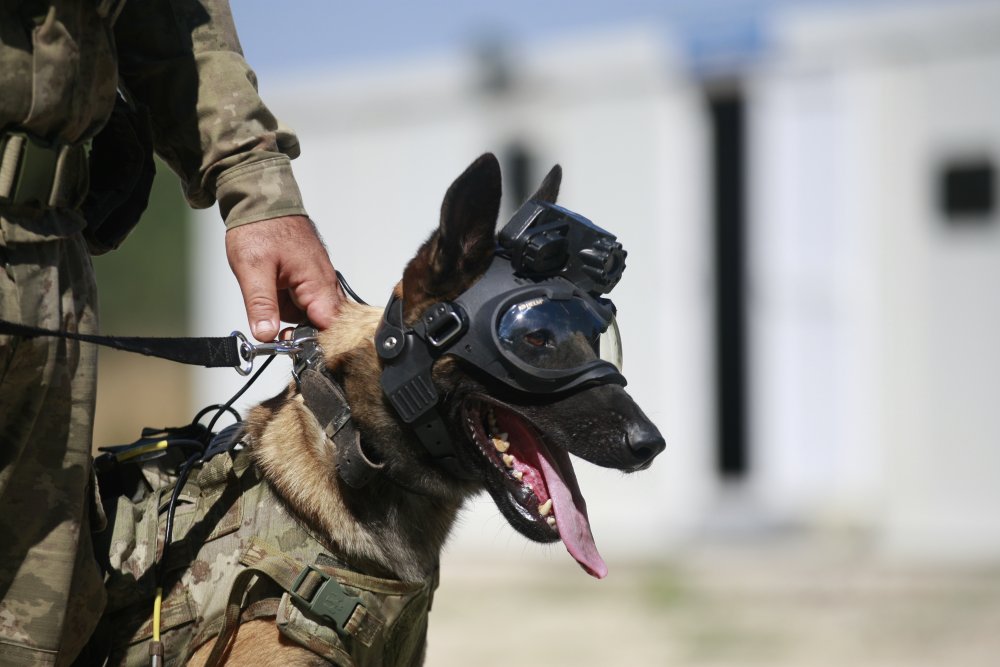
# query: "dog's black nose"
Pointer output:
{"type": "Point", "coordinates": [645, 442]}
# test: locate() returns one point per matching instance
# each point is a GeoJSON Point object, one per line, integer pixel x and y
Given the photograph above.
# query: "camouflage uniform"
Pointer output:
{"type": "Point", "coordinates": [237, 551]}
{"type": "Point", "coordinates": [60, 62]}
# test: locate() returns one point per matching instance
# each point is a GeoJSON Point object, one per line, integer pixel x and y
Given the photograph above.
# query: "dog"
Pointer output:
{"type": "Point", "coordinates": [381, 531]}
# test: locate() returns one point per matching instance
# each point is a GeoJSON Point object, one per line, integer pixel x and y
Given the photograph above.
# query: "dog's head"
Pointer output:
{"type": "Point", "coordinates": [517, 442]}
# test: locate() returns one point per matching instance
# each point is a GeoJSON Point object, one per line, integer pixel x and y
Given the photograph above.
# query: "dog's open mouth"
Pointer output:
{"type": "Point", "coordinates": [532, 483]}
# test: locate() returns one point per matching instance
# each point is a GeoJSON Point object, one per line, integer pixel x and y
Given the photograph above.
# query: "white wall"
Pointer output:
{"type": "Point", "coordinates": [876, 366]}
{"type": "Point", "coordinates": [381, 147]}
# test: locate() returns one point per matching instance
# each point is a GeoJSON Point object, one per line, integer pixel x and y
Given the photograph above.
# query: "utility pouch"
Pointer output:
{"type": "Point", "coordinates": [121, 177]}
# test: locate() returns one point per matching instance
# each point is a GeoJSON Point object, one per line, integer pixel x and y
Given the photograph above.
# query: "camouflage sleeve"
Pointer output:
{"type": "Point", "coordinates": [182, 58]}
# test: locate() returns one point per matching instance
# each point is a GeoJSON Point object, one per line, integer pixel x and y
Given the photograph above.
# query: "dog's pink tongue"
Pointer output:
{"type": "Point", "coordinates": [571, 518]}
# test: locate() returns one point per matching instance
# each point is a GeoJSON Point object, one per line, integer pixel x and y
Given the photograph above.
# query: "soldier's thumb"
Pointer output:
{"type": "Point", "coordinates": [260, 297]}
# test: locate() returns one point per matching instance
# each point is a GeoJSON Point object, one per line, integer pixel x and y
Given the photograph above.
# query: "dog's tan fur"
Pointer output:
{"type": "Point", "coordinates": [260, 643]}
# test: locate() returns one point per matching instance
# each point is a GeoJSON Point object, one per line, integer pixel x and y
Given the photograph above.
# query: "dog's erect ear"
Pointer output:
{"type": "Point", "coordinates": [548, 191]}
{"type": "Point", "coordinates": [460, 250]}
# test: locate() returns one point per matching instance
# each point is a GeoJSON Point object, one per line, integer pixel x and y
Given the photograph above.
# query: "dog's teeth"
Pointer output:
{"type": "Point", "coordinates": [500, 442]}
{"type": "Point", "coordinates": [508, 460]}
{"type": "Point", "coordinates": [545, 507]}
{"type": "Point", "coordinates": [551, 521]}
{"type": "Point", "coordinates": [518, 475]}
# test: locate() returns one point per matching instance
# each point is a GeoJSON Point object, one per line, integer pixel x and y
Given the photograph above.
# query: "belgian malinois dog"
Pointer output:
{"type": "Point", "coordinates": [514, 445]}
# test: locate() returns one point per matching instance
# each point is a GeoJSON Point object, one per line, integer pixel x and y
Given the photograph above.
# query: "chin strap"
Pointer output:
{"type": "Point", "coordinates": [406, 375]}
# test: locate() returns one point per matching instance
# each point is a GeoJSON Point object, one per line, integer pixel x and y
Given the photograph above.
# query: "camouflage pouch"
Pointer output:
{"type": "Point", "coordinates": [395, 632]}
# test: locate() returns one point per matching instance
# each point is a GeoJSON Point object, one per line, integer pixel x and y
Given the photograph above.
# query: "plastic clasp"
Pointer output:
{"type": "Point", "coordinates": [329, 600]}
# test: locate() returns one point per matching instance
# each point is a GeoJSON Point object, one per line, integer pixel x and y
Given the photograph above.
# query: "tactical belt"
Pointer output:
{"type": "Point", "coordinates": [33, 173]}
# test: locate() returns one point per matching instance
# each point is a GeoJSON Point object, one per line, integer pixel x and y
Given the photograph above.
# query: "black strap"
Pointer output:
{"type": "Point", "coordinates": [214, 352]}
{"type": "Point", "coordinates": [328, 403]}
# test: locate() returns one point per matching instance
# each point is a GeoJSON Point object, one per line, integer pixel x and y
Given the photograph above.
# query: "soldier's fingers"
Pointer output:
{"type": "Point", "coordinates": [319, 295]}
{"type": "Point", "coordinates": [283, 254]}
{"type": "Point", "coordinates": [288, 309]}
{"type": "Point", "coordinates": [257, 274]}
{"type": "Point", "coordinates": [311, 279]}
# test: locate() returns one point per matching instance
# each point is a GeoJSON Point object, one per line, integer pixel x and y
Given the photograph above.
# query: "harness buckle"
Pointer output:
{"type": "Point", "coordinates": [323, 596]}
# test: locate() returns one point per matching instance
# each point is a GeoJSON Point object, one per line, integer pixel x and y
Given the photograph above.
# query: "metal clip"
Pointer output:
{"type": "Point", "coordinates": [249, 351]}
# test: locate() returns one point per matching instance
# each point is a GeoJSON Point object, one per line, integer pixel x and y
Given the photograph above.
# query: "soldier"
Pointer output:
{"type": "Point", "coordinates": [61, 62]}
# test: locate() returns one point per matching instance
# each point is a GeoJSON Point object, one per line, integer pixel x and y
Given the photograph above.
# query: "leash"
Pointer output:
{"type": "Point", "coordinates": [232, 351]}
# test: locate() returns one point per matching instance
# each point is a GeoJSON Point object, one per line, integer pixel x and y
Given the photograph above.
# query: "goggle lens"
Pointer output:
{"type": "Point", "coordinates": [558, 334]}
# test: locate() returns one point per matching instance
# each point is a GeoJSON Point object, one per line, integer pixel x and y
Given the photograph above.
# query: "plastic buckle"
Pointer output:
{"type": "Point", "coordinates": [329, 601]}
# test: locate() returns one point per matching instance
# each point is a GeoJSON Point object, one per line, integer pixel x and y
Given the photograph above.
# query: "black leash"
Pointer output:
{"type": "Point", "coordinates": [215, 352]}
{"type": "Point", "coordinates": [233, 351]}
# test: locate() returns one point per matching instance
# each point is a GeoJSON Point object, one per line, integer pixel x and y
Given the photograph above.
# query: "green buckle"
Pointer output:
{"type": "Point", "coordinates": [328, 601]}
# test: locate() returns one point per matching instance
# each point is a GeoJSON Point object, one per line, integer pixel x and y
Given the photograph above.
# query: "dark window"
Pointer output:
{"type": "Point", "coordinates": [967, 191]}
{"type": "Point", "coordinates": [727, 181]}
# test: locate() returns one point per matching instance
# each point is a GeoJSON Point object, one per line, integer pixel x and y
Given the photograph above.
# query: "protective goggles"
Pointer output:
{"type": "Point", "coordinates": [557, 334]}
{"type": "Point", "coordinates": [535, 320]}
{"type": "Point", "coordinates": [546, 336]}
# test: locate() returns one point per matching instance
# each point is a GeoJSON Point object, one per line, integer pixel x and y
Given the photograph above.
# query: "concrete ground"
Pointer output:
{"type": "Point", "coordinates": [766, 603]}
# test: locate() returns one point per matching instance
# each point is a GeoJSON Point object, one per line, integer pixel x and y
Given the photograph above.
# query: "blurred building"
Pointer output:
{"type": "Point", "coordinates": [811, 306]}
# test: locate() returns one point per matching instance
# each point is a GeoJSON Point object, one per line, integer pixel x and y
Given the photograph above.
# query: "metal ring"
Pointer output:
{"type": "Point", "coordinates": [246, 353]}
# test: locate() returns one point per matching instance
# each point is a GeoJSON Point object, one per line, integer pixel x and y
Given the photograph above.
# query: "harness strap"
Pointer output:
{"type": "Point", "coordinates": [309, 586]}
{"type": "Point", "coordinates": [328, 403]}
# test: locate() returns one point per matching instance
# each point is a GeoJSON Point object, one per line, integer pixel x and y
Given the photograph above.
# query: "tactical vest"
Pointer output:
{"type": "Point", "coordinates": [238, 554]}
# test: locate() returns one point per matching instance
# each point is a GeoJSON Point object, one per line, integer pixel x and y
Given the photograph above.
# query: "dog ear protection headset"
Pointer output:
{"type": "Point", "coordinates": [535, 322]}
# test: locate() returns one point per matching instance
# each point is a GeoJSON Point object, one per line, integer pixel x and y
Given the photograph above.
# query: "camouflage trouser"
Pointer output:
{"type": "Point", "coordinates": [51, 592]}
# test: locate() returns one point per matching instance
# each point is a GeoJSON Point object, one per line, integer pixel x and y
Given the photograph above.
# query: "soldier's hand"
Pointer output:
{"type": "Point", "coordinates": [283, 270]}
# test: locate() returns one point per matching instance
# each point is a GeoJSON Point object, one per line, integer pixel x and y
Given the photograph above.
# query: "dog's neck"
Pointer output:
{"type": "Point", "coordinates": [382, 528]}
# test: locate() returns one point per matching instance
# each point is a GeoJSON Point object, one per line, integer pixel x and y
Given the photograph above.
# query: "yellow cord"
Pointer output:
{"type": "Point", "coordinates": [156, 613]}
{"type": "Point", "coordinates": [139, 451]}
